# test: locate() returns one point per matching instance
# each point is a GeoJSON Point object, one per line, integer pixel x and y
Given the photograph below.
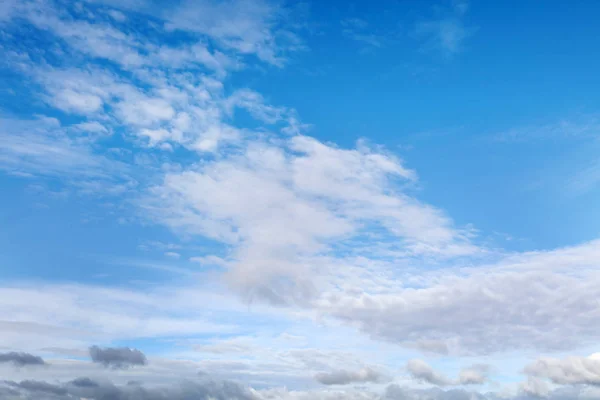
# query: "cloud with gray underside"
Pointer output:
{"type": "Point", "coordinates": [117, 357]}
{"type": "Point", "coordinates": [21, 359]}
{"type": "Point", "coordinates": [343, 377]}
{"type": "Point", "coordinates": [423, 372]}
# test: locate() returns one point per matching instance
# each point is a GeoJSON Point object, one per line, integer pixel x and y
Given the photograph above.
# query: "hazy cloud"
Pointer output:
{"type": "Point", "coordinates": [447, 31]}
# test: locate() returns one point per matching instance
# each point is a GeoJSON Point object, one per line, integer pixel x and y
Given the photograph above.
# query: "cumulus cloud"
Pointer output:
{"type": "Point", "coordinates": [21, 359]}
{"type": "Point", "coordinates": [117, 357]}
{"type": "Point", "coordinates": [344, 377]}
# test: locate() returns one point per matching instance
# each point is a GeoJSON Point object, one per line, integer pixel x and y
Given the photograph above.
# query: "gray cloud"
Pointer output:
{"type": "Point", "coordinates": [38, 387]}
{"type": "Point", "coordinates": [206, 388]}
{"type": "Point", "coordinates": [423, 372]}
{"type": "Point", "coordinates": [475, 315]}
{"type": "Point", "coordinates": [395, 392]}
{"type": "Point", "coordinates": [117, 357]}
{"type": "Point", "coordinates": [105, 390]}
{"type": "Point", "coordinates": [21, 359]}
{"type": "Point", "coordinates": [570, 370]}
{"type": "Point", "coordinates": [535, 387]}
{"type": "Point", "coordinates": [343, 377]}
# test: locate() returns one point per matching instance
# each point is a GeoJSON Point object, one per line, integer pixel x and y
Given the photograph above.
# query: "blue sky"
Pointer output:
{"type": "Point", "coordinates": [395, 200]}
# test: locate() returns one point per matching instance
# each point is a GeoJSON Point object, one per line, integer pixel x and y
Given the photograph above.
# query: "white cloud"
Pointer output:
{"type": "Point", "coordinates": [42, 148]}
{"type": "Point", "coordinates": [72, 314]}
{"type": "Point", "coordinates": [117, 15]}
{"type": "Point", "coordinates": [248, 27]}
{"type": "Point", "coordinates": [529, 301]}
{"type": "Point", "coordinates": [280, 205]}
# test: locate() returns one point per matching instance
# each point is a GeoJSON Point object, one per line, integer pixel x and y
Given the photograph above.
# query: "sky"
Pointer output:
{"type": "Point", "coordinates": [271, 200]}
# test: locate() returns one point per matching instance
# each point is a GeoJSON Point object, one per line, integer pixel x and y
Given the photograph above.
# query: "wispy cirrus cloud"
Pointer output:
{"type": "Point", "coordinates": [447, 31]}
{"type": "Point", "coordinates": [360, 31]}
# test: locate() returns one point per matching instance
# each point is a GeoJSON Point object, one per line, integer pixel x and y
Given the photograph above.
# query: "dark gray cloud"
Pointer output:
{"type": "Point", "coordinates": [117, 357]}
{"type": "Point", "coordinates": [21, 359]}
{"type": "Point", "coordinates": [343, 377]}
{"type": "Point", "coordinates": [105, 390]}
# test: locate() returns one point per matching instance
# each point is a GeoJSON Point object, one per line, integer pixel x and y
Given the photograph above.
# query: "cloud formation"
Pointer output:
{"type": "Point", "coordinates": [570, 370]}
{"type": "Point", "coordinates": [117, 357]}
{"type": "Point", "coordinates": [97, 390]}
{"type": "Point", "coordinates": [423, 372]}
{"type": "Point", "coordinates": [344, 377]}
{"type": "Point", "coordinates": [21, 359]}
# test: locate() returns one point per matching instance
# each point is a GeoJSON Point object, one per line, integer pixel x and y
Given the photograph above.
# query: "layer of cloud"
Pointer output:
{"type": "Point", "coordinates": [91, 389]}
{"type": "Point", "coordinates": [117, 357]}
{"type": "Point", "coordinates": [570, 370]}
{"type": "Point", "coordinates": [207, 388]}
{"type": "Point", "coordinates": [343, 377]}
{"type": "Point", "coordinates": [513, 304]}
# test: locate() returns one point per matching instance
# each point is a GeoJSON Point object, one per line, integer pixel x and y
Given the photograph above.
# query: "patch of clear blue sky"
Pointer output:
{"type": "Point", "coordinates": [525, 64]}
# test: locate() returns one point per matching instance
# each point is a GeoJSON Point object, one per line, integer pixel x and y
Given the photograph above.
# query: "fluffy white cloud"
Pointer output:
{"type": "Point", "coordinates": [524, 301]}
{"type": "Point", "coordinates": [280, 206]}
